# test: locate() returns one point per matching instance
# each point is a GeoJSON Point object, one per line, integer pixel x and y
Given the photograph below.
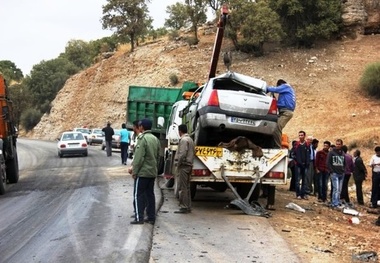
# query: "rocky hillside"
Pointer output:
{"type": "Point", "coordinates": [330, 103]}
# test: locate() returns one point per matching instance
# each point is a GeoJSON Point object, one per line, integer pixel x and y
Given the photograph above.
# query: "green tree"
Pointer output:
{"type": "Point", "coordinates": [129, 18]}
{"type": "Point", "coordinates": [10, 71]}
{"type": "Point", "coordinates": [252, 25]}
{"type": "Point", "coordinates": [46, 79]}
{"type": "Point", "coordinates": [79, 53]}
{"type": "Point", "coordinates": [196, 10]}
{"type": "Point", "coordinates": [21, 100]}
{"type": "Point", "coordinates": [262, 25]}
{"type": "Point", "coordinates": [304, 21]}
{"type": "Point", "coordinates": [178, 17]}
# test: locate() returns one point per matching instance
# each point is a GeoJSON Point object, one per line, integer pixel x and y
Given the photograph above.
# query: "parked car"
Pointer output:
{"type": "Point", "coordinates": [231, 105]}
{"type": "Point", "coordinates": [115, 140]}
{"type": "Point", "coordinates": [96, 136]}
{"type": "Point", "coordinates": [86, 132]}
{"type": "Point", "coordinates": [72, 143]}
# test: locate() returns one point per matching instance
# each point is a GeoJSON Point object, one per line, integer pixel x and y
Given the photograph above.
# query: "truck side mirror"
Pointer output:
{"type": "Point", "coordinates": [160, 122]}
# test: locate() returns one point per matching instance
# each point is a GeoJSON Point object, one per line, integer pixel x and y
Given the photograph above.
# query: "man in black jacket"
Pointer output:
{"type": "Point", "coordinates": [360, 174]}
{"type": "Point", "coordinates": [108, 133]}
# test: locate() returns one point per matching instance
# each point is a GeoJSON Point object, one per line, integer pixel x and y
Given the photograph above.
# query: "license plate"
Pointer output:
{"type": "Point", "coordinates": [243, 121]}
{"type": "Point", "coordinates": [208, 151]}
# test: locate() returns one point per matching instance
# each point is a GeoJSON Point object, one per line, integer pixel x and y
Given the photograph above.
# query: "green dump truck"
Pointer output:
{"type": "Point", "coordinates": [156, 103]}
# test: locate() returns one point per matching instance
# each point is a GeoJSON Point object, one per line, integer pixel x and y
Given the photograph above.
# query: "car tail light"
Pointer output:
{"type": "Point", "coordinates": [84, 144]}
{"type": "Point", "coordinates": [273, 107]}
{"type": "Point", "coordinates": [213, 100]}
{"type": "Point", "coordinates": [62, 146]}
{"type": "Point", "coordinates": [201, 172]}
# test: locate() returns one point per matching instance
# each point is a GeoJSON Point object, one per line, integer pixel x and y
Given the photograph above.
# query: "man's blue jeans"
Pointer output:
{"type": "Point", "coordinates": [337, 183]}
{"type": "Point", "coordinates": [301, 181]}
{"type": "Point", "coordinates": [323, 178]}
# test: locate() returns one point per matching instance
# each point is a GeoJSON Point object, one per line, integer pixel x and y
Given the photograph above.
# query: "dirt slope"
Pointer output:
{"type": "Point", "coordinates": [330, 105]}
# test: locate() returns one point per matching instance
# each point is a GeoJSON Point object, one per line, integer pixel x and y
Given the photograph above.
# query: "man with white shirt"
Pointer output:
{"type": "Point", "coordinates": [375, 164]}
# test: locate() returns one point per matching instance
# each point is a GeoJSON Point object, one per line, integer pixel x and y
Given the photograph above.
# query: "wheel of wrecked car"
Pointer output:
{"type": "Point", "coordinates": [2, 182]}
{"type": "Point", "coordinates": [200, 135]}
{"type": "Point", "coordinates": [12, 169]}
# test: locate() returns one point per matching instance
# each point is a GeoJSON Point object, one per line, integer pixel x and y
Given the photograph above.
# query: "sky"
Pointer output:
{"type": "Point", "coordinates": [36, 30]}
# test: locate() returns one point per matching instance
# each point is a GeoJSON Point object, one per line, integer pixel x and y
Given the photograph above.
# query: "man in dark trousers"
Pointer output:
{"type": "Point", "coordinates": [184, 158]}
{"type": "Point", "coordinates": [286, 104]}
{"type": "Point", "coordinates": [144, 169]}
{"type": "Point", "coordinates": [108, 133]}
{"type": "Point", "coordinates": [360, 174]}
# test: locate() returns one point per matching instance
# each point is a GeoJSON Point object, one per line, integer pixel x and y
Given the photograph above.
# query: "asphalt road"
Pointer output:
{"type": "Point", "coordinates": [77, 209]}
{"type": "Point", "coordinates": [71, 209]}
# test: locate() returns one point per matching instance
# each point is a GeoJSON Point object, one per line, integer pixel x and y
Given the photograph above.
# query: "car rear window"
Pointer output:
{"type": "Point", "coordinates": [229, 84]}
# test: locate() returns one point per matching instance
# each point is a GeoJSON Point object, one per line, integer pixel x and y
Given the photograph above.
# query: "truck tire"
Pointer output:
{"type": "Point", "coordinates": [193, 190]}
{"type": "Point", "coordinates": [219, 187]}
{"type": "Point", "coordinates": [243, 190]}
{"type": "Point", "coordinates": [2, 182]}
{"type": "Point", "coordinates": [12, 169]}
{"type": "Point", "coordinates": [200, 135]}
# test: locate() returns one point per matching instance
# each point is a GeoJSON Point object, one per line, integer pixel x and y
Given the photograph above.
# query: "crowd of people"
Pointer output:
{"type": "Point", "coordinates": [314, 170]}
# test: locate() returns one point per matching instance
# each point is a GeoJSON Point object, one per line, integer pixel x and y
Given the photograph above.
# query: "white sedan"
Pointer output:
{"type": "Point", "coordinates": [72, 143]}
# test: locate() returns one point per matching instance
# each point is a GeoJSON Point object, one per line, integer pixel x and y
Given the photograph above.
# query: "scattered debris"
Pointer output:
{"type": "Point", "coordinates": [350, 211]}
{"type": "Point", "coordinates": [366, 256]}
{"type": "Point", "coordinates": [295, 207]}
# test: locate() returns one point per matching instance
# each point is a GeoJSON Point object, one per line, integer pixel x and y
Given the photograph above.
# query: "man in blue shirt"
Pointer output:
{"type": "Point", "coordinates": [286, 104]}
{"type": "Point", "coordinates": [124, 143]}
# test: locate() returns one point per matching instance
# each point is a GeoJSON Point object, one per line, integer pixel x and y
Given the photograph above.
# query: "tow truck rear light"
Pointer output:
{"type": "Point", "coordinates": [275, 175]}
{"type": "Point", "coordinates": [213, 100]}
{"type": "Point", "coordinates": [273, 107]}
{"type": "Point", "coordinates": [201, 172]}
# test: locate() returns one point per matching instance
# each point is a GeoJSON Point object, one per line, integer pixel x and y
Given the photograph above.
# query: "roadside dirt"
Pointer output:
{"type": "Point", "coordinates": [330, 105]}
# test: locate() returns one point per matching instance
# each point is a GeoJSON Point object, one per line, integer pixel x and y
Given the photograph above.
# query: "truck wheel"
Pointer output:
{"type": "Point", "coordinates": [193, 190]}
{"type": "Point", "coordinates": [200, 135]}
{"type": "Point", "coordinates": [12, 169]}
{"type": "Point", "coordinates": [2, 182]}
{"type": "Point", "coordinates": [243, 191]}
{"type": "Point", "coordinates": [219, 187]}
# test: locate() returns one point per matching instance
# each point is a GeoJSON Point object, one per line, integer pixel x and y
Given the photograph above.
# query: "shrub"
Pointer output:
{"type": "Point", "coordinates": [30, 118]}
{"type": "Point", "coordinates": [370, 80]}
{"type": "Point", "coordinates": [191, 41]}
{"type": "Point", "coordinates": [173, 34]}
{"type": "Point", "coordinates": [173, 79]}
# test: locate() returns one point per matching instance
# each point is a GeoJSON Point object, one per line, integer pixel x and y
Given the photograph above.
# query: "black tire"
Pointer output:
{"type": "Point", "coordinates": [200, 135]}
{"type": "Point", "coordinates": [219, 187]}
{"type": "Point", "coordinates": [85, 154]}
{"type": "Point", "coordinates": [193, 190]}
{"type": "Point", "coordinates": [2, 182]}
{"type": "Point", "coordinates": [12, 169]}
{"type": "Point", "coordinates": [243, 191]}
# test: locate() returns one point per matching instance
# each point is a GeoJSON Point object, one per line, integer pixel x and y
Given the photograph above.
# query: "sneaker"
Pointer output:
{"type": "Point", "coordinates": [299, 197]}
{"type": "Point", "coordinates": [320, 201]}
{"type": "Point", "coordinates": [305, 197]}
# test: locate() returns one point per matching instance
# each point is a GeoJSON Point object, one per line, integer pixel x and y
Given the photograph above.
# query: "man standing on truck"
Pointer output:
{"type": "Point", "coordinates": [286, 104]}
{"type": "Point", "coordinates": [108, 133]}
{"type": "Point", "coordinates": [184, 158]}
